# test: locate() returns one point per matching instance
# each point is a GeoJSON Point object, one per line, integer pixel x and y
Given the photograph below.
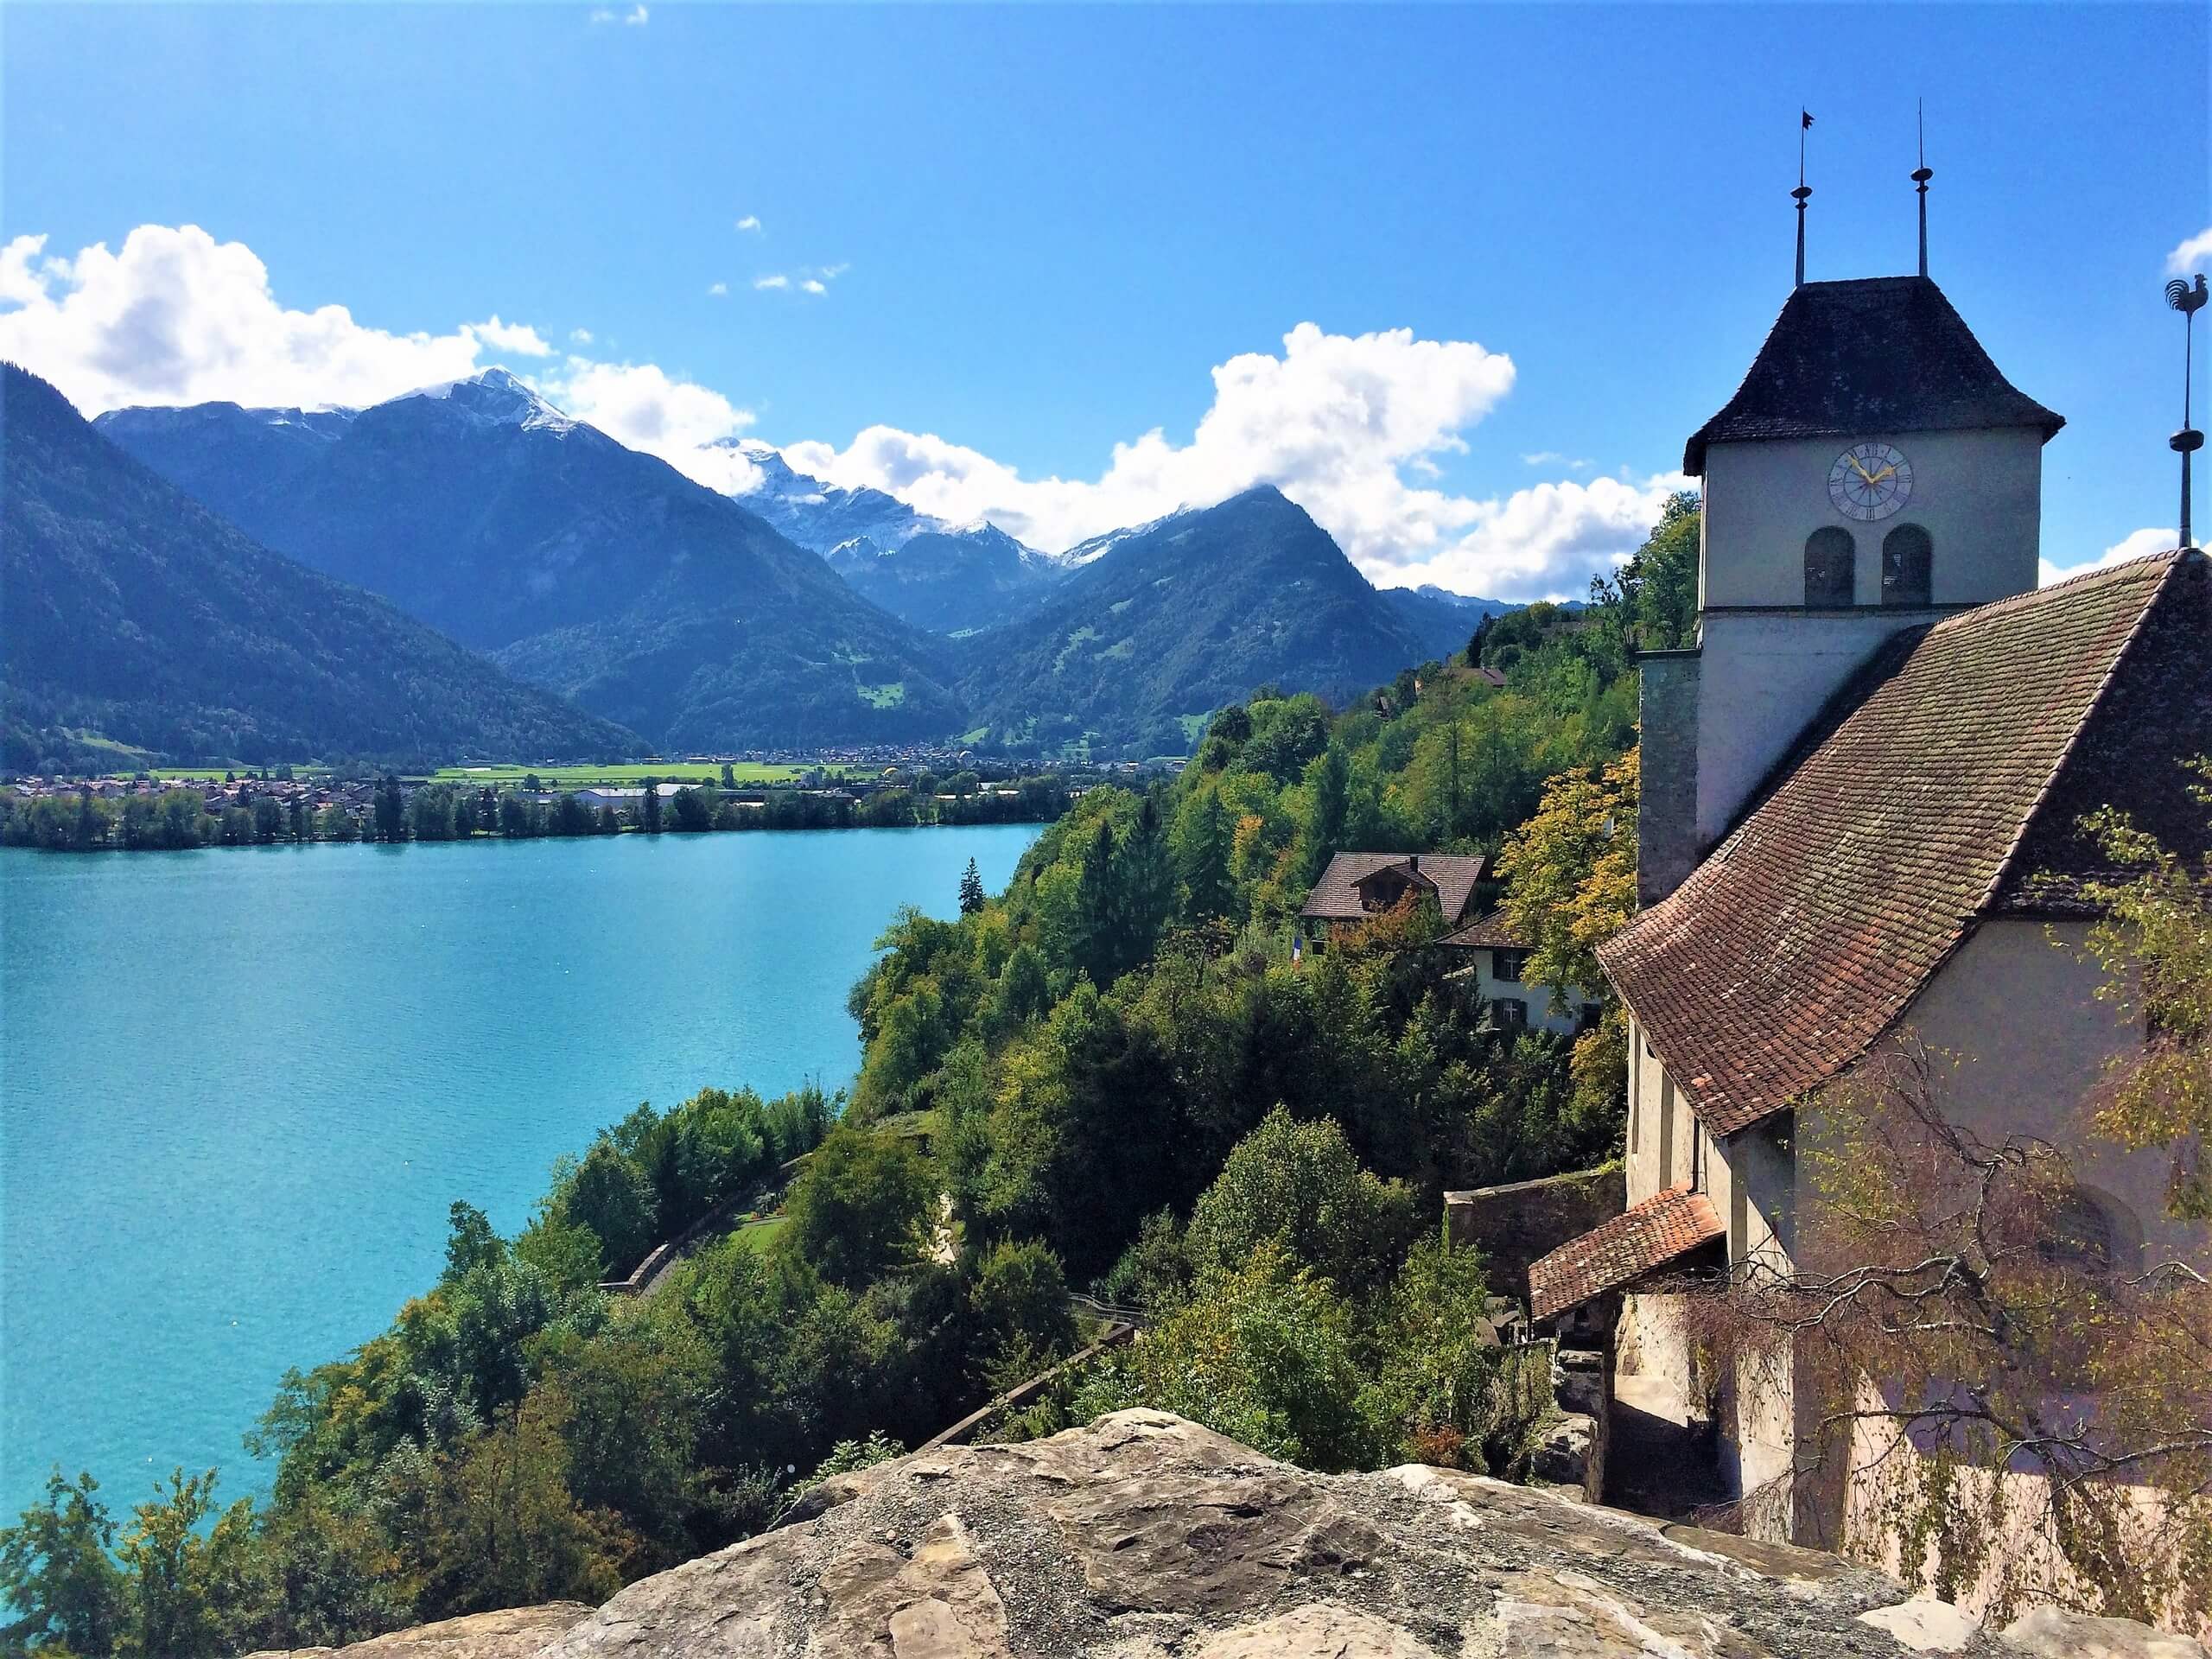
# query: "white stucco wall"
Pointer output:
{"type": "Point", "coordinates": [1762, 678]}
{"type": "Point", "coordinates": [1541, 1015]}
{"type": "Point", "coordinates": [1978, 494]}
{"type": "Point", "coordinates": [2016, 1016]}
{"type": "Point", "coordinates": [1765, 671]}
{"type": "Point", "coordinates": [1661, 1129]}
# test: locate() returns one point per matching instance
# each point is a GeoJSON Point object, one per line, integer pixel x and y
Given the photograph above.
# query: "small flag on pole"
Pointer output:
{"type": "Point", "coordinates": [1806, 116]}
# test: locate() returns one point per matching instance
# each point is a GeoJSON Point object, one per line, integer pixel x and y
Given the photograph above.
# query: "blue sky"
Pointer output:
{"type": "Point", "coordinates": [1038, 234]}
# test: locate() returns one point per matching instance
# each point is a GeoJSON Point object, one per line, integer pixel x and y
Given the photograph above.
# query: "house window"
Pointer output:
{"type": "Point", "coordinates": [1586, 1017]}
{"type": "Point", "coordinates": [1509, 1011]}
{"type": "Point", "coordinates": [1508, 965]}
{"type": "Point", "coordinates": [1908, 561]}
{"type": "Point", "coordinates": [1831, 568]}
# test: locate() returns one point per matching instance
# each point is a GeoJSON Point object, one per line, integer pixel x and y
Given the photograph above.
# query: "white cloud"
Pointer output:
{"type": "Point", "coordinates": [642, 405]}
{"type": "Point", "coordinates": [635, 17]}
{"type": "Point", "coordinates": [809, 279]}
{"type": "Point", "coordinates": [2191, 255]}
{"type": "Point", "coordinates": [717, 289]}
{"type": "Point", "coordinates": [750, 222]}
{"type": "Point", "coordinates": [1553, 458]}
{"type": "Point", "coordinates": [516, 339]}
{"type": "Point", "coordinates": [177, 317]}
{"type": "Point", "coordinates": [1338, 422]}
{"type": "Point", "coordinates": [1350, 427]}
{"type": "Point", "coordinates": [2134, 545]}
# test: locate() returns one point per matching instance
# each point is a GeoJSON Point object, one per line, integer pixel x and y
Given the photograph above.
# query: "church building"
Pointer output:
{"type": "Point", "coordinates": [1862, 790]}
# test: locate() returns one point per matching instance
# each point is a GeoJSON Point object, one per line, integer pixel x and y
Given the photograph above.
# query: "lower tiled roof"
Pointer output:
{"type": "Point", "coordinates": [1645, 1237]}
{"type": "Point", "coordinates": [1924, 798]}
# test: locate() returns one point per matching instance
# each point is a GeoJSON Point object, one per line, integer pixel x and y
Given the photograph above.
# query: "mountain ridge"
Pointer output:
{"type": "Point", "coordinates": [1173, 621]}
{"type": "Point", "coordinates": [583, 566]}
{"type": "Point", "coordinates": [135, 613]}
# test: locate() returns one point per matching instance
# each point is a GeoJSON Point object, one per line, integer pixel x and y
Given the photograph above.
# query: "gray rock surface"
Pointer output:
{"type": "Point", "coordinates": [1144, 1536]}
{"type": "Point", "coordinates": [512, 1633]}
{"type": "Point", "coordinates": [2047, 1633]}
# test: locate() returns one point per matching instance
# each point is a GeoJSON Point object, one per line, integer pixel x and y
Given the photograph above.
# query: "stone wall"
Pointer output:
{"type": "Point", "coordinates": [1514, 1224]}
{"type": "Point", "coordinates": [1666, 810]}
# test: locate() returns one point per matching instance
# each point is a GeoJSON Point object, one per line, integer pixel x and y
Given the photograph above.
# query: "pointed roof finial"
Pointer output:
{"type": "Point", "coordinates": [1920, 176]}
{"type": "Point", "coordinates": [1804, 126]}
{"type": "Point", "coordinates": [2189, 301]}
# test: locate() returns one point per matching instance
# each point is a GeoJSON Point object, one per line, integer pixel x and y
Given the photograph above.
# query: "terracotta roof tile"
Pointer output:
{"type": "Point", "coordinates": [1336, 896]}
{"type": "Point", "coordinates": [1612, 1256]}
{"type": "Point", "coordinates": [1937, 785]}
{"type": "Point", "coordinates": [1881, 354]}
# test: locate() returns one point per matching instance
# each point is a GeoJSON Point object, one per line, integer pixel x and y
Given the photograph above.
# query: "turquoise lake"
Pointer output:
{"type": "Point", "coordinates": [238, 1089]}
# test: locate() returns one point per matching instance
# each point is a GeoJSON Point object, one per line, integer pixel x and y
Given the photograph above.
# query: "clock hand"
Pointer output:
{"type": "Point", "coordinates": [1857, 468]}
{"type": "Point", "coordinates": [1879, 476]}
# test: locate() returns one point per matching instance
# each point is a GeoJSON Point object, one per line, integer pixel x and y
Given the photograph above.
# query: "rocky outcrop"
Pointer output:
{"type": "Point", "coordinates": [512, 1633]}
{"type": "Point", "coordinates": [1144, 1536]}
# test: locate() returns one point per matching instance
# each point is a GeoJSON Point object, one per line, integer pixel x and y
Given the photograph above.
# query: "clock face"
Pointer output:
{"type": "Point", "coordinates": [1870, 480]}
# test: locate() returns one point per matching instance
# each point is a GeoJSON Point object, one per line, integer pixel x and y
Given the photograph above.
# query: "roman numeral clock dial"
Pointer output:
{"type": "Point", "coordinates": [1870, 481]}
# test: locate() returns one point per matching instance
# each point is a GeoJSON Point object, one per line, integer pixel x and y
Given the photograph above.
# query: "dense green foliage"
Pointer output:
{"type": "Point", "coordinates": [1114, 1072]}
{"type": "Point", "coordinates": [137, 618]}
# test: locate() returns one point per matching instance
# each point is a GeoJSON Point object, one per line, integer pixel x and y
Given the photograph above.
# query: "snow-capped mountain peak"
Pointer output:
{"type": "Point", "coordinates": [497, 397]}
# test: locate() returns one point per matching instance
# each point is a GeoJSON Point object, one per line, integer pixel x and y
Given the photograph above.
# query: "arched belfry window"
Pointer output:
{"type": "Point", "coordinates": [1908, 558]}
{"type": "Point", "coordinates": [1831, 558]}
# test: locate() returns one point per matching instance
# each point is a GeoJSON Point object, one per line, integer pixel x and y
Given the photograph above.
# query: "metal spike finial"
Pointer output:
{"type": "Point", "coordinates": [2188, 299]}
{"type": "Point", "coordinates": [1802, 191]}
{"type": "Point", "coordinates": [1921, 174]}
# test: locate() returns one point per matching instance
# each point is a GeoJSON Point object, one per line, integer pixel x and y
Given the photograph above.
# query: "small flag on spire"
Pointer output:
{"type": "Point", "coordinates": [1806, 117]}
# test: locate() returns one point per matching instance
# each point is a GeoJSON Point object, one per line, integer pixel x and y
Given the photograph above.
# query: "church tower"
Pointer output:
{"type": "Point", "coordinates": [1875, 472]}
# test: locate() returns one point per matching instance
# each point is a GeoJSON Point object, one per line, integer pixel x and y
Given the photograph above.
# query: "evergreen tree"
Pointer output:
{"type": "Point", "coordinates": [1328, 786]}
{"type": "Point", "coordinates": [649, 807]}
{"type": "Point", "coordinates": [971, 890]}
{"type": "Point", "coordinates": [392, 810]}
{"type": "Point", "coordinates": [1203, 841]}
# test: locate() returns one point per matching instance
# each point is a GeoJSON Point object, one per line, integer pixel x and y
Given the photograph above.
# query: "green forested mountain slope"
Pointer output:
{"type": "Point", "coordinates": [131, 613]}
{"type": "Point", "coordinates": [1181, 618]}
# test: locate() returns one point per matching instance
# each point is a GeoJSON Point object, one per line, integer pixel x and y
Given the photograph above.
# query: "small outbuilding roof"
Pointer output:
{"type": "Point", "coordinates": [1878, 355]}
{"type": "Point", "coordinates": [1645, 1238]}
{"type": "Point", "coordinates": [1453, 876]}
{"type": "Point", "coordinates": [1945, 783]}
{"type": "Point", "coordinates": [1495, 932]}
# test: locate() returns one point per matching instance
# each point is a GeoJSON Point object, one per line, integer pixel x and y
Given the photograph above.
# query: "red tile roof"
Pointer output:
{"type": "Point", "coordinates": [1931, 793]}
{"type": "Point", "coordinates": [1645, 1237]}
{"type": "Point", "coordinates": [1879, 354]}
{"type": "Point", "coordinates": [1336, 895]}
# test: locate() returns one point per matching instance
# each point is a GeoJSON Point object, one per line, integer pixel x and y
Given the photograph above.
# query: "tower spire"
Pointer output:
{"type": "Point", "coordinates": [1921, 174]}
{"type": "Point", "coordinates": [1802, 191]}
